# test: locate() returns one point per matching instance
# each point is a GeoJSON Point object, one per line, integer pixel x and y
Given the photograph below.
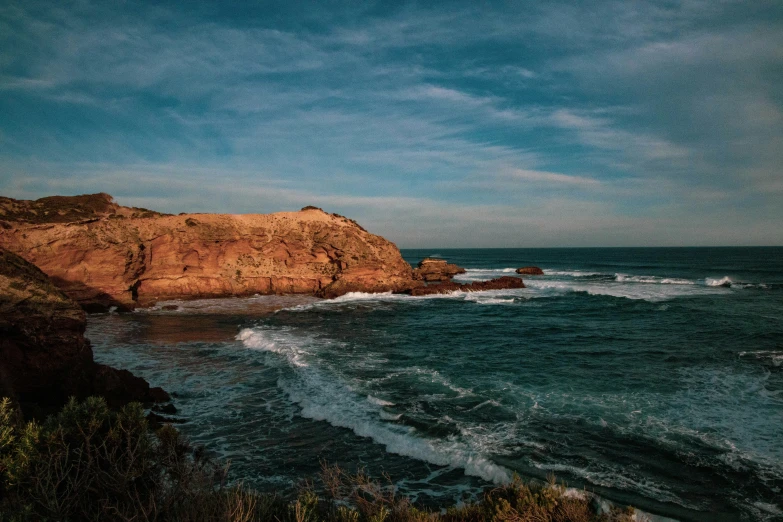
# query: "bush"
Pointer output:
{"type": "Point", "coordinates": [91, 463]}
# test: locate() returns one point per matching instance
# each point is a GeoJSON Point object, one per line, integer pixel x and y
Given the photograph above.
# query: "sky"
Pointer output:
{"type": "Point", "coordinates": [453, 124]}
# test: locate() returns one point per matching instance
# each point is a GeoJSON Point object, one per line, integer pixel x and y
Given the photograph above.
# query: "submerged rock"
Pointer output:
{"type": "Point", "coordinates": [102, 254]}
{"type": "Point", "coordinates": [501, 283]}
{"type": "Point", "coordinates": [44, 356]}
{"type": "Point", "coordinates": [530, 270]}
{"type": "Point", "coordinates": [432, 269]}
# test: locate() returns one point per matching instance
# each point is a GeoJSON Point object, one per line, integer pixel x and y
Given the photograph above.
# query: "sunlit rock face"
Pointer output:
{"type": "Point", "coordinates": [102, 254]}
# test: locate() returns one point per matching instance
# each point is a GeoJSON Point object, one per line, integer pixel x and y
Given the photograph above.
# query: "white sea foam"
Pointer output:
{"type": "Point", "coordinates": [264, 340]}
{"type": "Point", "coordinates": [625, 278]}
{"type": "Point", "coordinates": [572, 273]}
{"type": "Point", "coordinates": [724, 281]}
{"type": "Point", "coordinates": [488, 299]}
{"type": "Point", "coordinates": [483, 274]}
{"type": "Point", "coordinates": [435, 376]}
{"type": "Point", "coordinates": [652, 293]}
{"type": "Point", "coordinates": [611, 479]}
{"type": "Point", "coordinates": [379, 402]}
{"type": "Point", "coordinates": [775, 357]}
{"type": "Point", "coordinates": [329, 398]}
{"type": "Point", "coordinates": [768, 509]}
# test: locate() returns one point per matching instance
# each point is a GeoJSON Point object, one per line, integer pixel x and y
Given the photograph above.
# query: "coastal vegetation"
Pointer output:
{"type": "Point", "coordinates": [89, 462]}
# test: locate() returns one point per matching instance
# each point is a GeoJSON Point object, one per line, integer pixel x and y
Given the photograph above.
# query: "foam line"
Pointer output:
{"type": "Point", "coordinates": [330, 399]}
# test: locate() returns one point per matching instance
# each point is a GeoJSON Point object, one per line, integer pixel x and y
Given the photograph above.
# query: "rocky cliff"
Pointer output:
{"type": "Point", "coordinates": [102, 254]}
{"type": "Point", "coordinates": [44, 356]}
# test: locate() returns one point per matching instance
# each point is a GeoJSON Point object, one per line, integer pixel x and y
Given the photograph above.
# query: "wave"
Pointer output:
{"type": "Point", "coordinates": [329, 398]}
{"type": "Point", "coordinates": [573, 273]}
{"type": "Point", "coordinates": [724, 281]}
{"type": "Point", "coordinates": [379, 402]}
{"type": "Point", "coordinates": [489, 300]}
{"type": "Point", "coordinates": [645, 292]}
{"type": "Point", "coordinates": [774, 357]}
{"type": "Point", "coordinates": [624, 278]}
{"type": "Point", "coordinates": [482, 274]}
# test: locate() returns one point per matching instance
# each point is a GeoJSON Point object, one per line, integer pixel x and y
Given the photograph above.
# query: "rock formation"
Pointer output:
{"type": "Point", "coordinates": [44, 356]}
{"type": "Point", "coordinates": [432, 270]}
{"type": "Point", "coordinates": [530, 270]}
{"type": "Point", "coordinates": [501, 283]}
{"type": "Point", "coordinates": [102, 254]}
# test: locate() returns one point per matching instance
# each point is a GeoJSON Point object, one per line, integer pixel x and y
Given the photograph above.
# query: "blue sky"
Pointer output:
{"type": "Point", "coordinates": [462, 124]}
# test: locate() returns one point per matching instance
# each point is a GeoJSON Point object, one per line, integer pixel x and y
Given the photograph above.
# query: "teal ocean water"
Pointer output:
{"type": "Point", "coordinates": [653, 377]}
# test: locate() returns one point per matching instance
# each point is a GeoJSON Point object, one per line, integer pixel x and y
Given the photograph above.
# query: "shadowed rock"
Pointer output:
{"type": "Point", "coordinates": [44, 356]}
{"type": "Point", "coordinates": [501, 283]}
{"type": "Point", "coordinates": [530, 270]}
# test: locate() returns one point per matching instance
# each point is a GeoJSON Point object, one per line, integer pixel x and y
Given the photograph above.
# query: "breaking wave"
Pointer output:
{"type": "Point", "coordinates": [324, 396]}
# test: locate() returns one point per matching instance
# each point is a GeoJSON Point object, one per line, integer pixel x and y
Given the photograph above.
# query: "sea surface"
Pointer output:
{"type": "Point", "coordinates": [651, 376]}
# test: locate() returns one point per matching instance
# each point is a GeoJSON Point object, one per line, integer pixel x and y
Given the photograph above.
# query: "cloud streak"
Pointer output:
{"type": "Point", "coordinates": [627, 113]}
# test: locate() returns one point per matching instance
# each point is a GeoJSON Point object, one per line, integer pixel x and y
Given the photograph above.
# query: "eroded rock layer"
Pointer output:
{"type": "Point", "coordinates": [118, 256]}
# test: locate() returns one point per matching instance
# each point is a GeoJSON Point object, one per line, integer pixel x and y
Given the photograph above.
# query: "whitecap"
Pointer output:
{"type": "Point", "coordinates": [379, 402]}
{"type": "Point", "coordinates": [646, 292]}
{"type": "Point", "coordinates": [482, 300]}
{"type": "Point", "coordinates": [573, 273]}
{"type": "Point", "coordinates": [327, 397]}
{"type": "Point", "coordinates": [625, 278]}
{"type": "Point", "coordinates": [724, 281]}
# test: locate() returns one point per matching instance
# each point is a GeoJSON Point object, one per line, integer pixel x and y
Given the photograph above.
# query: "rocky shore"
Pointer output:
{"type": "Point", "coordinates": [44, 356]}
{"type": "Point", "coordinates": [501, 283]}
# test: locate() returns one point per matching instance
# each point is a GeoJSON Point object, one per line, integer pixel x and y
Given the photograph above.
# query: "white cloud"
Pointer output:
{"type": "Point", "coordinates": [552, 177]}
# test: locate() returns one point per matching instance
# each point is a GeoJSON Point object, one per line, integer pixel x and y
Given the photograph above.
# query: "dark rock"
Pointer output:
{"type": "Point", "coordinates": [156, 421]}
{"type": "Point", "coordinates": [44, 356]}
{"type": "Point", "coordinates": [119, 387]}
{"type": "Point", "coordinates": [530, 270]}
{"type": "Point", "coordinates": [168, 409]}
{"type": "Point", "coordinates": [431, 270]}
{"type": "Point", "coordinates": [501, 283]}
{"type": "Point", "coordinates": [158, 394]}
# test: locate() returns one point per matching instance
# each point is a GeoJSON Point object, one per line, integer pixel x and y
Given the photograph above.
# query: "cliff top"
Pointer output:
{"type": "Point", "coordinates": [67, 209]}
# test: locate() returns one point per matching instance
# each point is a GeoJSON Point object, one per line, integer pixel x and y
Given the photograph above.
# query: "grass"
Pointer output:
{"type": "Point", "coordinates": [90, 463]}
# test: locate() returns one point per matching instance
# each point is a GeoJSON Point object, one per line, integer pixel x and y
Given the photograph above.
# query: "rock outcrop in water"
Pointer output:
{"type": "Point", "coordinates": [530, 270]}
{"type": "Point", "coordinates": [432, 270]}
{"type": "Point", "coordinates": [44, 356]}
{"type": "Point", "coordinates": [501, 283]}
{"type": "Point", "coordinates": [102, 254]}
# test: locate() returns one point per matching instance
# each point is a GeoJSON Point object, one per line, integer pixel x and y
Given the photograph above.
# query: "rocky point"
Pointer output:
{"type": "Point", "coordinates": [103, 254]}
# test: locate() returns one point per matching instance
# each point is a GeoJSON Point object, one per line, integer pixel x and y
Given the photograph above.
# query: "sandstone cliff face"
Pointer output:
{"type": "Point", "coordinates": [44, 357]}
{"type": "Point", "coordinates": [125, 257]}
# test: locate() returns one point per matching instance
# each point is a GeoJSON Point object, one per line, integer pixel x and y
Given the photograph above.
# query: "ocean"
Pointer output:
{"type": "Point", "coordinates": [651, 376]}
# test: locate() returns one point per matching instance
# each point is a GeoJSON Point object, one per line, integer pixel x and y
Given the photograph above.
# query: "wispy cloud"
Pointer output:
{"type": "Point", "coordinates": [551, 177]}
{"type": "Point", "coordinates": [632, 114]}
